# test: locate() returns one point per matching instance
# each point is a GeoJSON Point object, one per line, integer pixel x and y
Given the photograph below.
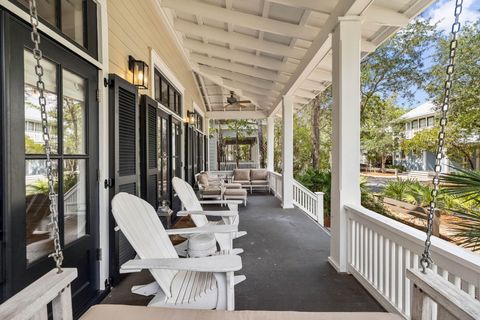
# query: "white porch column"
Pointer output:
{"type": "Point", "coordinates": [346, 133]}
{"type": "Point", "coordinates": [287, 152]}
{"type": "Point", "coordinates": [270, 143]}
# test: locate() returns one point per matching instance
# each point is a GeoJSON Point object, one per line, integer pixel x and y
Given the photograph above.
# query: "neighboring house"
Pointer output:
{"type": "Point", "coordinates": [421, 118]}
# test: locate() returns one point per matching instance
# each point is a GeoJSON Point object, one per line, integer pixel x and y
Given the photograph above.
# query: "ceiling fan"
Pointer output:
{"type": "Point", "coordinates": [233, 101]}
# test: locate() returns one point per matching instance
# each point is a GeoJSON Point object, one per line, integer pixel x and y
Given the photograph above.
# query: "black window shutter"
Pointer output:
{"type": "Point", "coordinates": [124, 164]}
{"type": "Point", "coordinates": [148, 150]}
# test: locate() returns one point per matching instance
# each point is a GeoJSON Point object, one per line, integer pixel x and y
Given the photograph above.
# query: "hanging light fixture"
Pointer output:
{"type": "Point", "coordinates": [139, 71]}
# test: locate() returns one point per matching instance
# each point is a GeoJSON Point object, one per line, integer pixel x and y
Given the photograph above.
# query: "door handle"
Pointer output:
{"type": "Point", "coordinates": [108, 183]}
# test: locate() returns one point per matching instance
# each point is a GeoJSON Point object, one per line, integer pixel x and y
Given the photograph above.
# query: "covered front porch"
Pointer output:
{"type": "Point", "coordinates": [286, 265]}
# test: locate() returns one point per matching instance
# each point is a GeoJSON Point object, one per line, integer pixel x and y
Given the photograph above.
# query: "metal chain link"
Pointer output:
{"type": "Point", "coordinates": [37, 54]}
{"type": "Point", "coordinates": [426, 260]}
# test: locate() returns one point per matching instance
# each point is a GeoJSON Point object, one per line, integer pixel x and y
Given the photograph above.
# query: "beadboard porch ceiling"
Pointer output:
{"type": "Point", "coordinates": [265, 49]}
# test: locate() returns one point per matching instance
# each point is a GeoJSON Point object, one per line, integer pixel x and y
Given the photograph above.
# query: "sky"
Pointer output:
{"type": "Point", "coordinates": [442, 12]}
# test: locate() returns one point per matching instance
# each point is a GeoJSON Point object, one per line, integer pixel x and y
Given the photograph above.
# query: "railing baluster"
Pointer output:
{"type": "Point", "coordinates": [375, 259]}
{"type": "Point", "coordinates": [400, 277]}
{"type": "Point", "coordinates": [406, 286]}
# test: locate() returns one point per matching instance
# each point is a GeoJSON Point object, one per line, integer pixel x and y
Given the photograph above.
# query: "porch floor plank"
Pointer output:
{"type": "Point", "coordinates": [285, 261]}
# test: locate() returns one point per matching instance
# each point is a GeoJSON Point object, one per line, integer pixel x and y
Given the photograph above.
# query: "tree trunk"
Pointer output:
{"type": "Point", "coordinates": [237, 147]}
{"type": "Point", "coordinates": [261, 146]}
{"type": "Point", "coordinates": [316, 134]}
{"type": "Point", "coordinates": [384, 159]}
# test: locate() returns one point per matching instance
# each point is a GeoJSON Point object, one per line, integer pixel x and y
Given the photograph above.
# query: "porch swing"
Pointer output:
{"type": "Point", "coordinates": [431, 293]}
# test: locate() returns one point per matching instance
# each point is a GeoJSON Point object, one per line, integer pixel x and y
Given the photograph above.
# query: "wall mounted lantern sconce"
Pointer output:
{"type": "Point", "coordinates": [191, 118]}
{"type": "Point", "coordinates": [140, 72]}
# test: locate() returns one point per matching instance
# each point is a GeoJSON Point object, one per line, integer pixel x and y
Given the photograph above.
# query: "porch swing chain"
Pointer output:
{"type": "Point", "coordinates": [426, 260]}
{"type": "Point", "coordinates": [37, 54]}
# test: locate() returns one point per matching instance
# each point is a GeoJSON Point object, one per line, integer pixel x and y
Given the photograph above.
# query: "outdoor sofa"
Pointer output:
{"type": "Point", "coordinates": [251, 178]}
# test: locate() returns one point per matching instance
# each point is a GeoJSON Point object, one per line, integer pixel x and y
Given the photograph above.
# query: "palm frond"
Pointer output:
{"type": "Point", "coordinates": [464, 184]}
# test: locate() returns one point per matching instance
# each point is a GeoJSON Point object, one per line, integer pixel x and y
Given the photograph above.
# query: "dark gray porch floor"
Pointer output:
{"type": "Point", "coordinates": [285, 261]}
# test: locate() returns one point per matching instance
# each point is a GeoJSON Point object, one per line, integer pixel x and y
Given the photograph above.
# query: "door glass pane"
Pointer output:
{"type": "Point", "coordinates": [45, 9]}
{"type": "Point", "coordinates": [39, 237]}
{"type": "Point", "coordinates": [33, 132]}
{"type": "Point", "coordinates": [164, 92]}
{"type": "Point", "coordinates": [73, 113]}
{"type": "Point", "coordinates": [171, 100]}
{"type": "Point", "coordinates": [72, 19]}
{"type": "Point", "coordinates": [156, 84]}
{"type": "Point", "coordinates": [74, 199]}
{"type": "Point", "coordinates": [164, 156]}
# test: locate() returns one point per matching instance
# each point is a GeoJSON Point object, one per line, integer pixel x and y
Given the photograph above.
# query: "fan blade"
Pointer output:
{"type": "Point", "coordinates": [244, 101]}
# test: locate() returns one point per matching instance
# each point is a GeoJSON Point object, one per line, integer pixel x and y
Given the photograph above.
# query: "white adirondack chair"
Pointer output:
{"type": "Point", "coordinates": [194, 208]}
{"type": "Point", "coordinates": [195, 283]}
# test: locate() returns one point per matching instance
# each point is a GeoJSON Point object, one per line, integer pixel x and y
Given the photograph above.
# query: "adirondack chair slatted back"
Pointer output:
{"type": "Point", "coordinates": [140, 224]}
{"type": "Point", "coordinates": [189, 200]}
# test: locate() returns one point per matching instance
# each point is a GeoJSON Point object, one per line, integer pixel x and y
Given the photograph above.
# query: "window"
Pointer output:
{"type": "Point", "coordinates": [75, 19]}
{"type": "Point", "coordinates": [423, 123]}
{"type": "Point", "coordinates": [414, 124]}
{"type": "Point", "coordinates": [430, 121]}
{"type": "Point", "coordinates": [166, 93]}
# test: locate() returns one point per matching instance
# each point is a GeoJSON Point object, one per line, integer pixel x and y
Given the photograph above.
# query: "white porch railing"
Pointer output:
{"type": "Point", "coordinates": [381, 249]}
{"type": "Point", "coordinates": [309, 202]}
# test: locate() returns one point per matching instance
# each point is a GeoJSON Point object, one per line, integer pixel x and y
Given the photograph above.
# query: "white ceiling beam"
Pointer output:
{"type": "Point", "coordinates": [319, 48]}
{"type": "Point", "coordinates": [248, 87]}
{"type": "Point", "coordinates": [385, 17]}
{"type": "Point", "coordinates": [322, 6]}
{"type": "Point", "coordinates": [301, 100]}
{"type": "Point", "coordinates": [312, 85]}
{"type": "Point", "coordinates": [220, 83]}
{"type": "Point", "coordinates": [205, 91]}
{"type": "Point", "coordinates": [224, 115]}
{"type": "Point", "coordinates": [320, 75]}
{"type": "Point", "coordinates": [300, 92]}
{"type": "Point", "coordinates": [374, 14]}
{"type": "Point", "coordinates": [247, 70]}
{"type": "Point", "coordinates": [242, 19]}
{"type": "Point", "coordinates": [265, 84]}
{"type": "Point", "coordinates": [367, 46]}
{"type": "Point", "coordinates": [238, 39]}
{"type": "Point", "coordinates": [239, 56]}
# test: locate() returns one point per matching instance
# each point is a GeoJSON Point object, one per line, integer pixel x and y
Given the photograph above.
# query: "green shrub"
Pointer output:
{"type": "Point", "coordinates": [318, 181]}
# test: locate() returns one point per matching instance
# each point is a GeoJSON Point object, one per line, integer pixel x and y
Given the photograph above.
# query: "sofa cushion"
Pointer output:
{"type": "Point", "coordinates": [212, 191]}
{"type": "Point", "coordinates": [241, 174]}
{"type": "Point", "coordinates": [258, 174]}
{"type": "Point", "coordinates": [259, 182]}
{"type": "Point", "coordinates": [235, 192]}
{"type": "Point", "coordinates": [242, 182]}
{"type": "Point", "coordinates": [203, 179]}
{"type": "Point", "coordinates": [233, 185]}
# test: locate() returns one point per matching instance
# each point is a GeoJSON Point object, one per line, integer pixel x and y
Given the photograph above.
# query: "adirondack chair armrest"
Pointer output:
{"type": "Point", "coordinates": [228, 228]}
{"type": "Point", "coordinates": [208, 213]}
{"type": "Point", "coordinates": [224, 263]}
{"type": "Point", "coordinates": [221, 202]}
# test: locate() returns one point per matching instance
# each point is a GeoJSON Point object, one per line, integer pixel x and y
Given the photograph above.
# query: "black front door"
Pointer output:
{"type": "Point", "coordinates": [176, 159]}
{"type": "Point", "coordinates": [70, 91]}
{"type": "Point", "coordinates": [169, 157]}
